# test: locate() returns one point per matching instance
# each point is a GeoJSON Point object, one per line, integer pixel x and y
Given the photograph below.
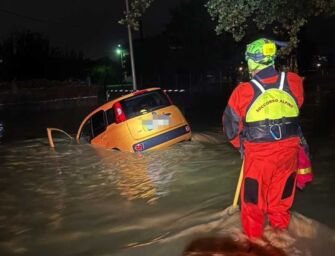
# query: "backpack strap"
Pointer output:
{"type": "Point", "coordinates": [282, 80]}
{"type": "Point", "coordinates": [261, 87]}
{"type": "Point", "coordinates": [258, 84]}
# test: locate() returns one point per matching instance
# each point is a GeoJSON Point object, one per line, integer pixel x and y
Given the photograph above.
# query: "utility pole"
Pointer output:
{"type": "Point", "coordinates": [131, 51]}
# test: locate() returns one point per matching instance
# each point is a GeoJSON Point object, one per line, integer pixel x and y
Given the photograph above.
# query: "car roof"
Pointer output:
{"type": "Point", "coordinates": [109, 104]}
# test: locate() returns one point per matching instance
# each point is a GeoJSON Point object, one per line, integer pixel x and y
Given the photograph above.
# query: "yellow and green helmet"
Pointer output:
{"type": "Point", "coordinates": [260, 54]}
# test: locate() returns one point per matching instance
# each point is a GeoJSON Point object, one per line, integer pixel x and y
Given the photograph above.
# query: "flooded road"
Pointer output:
{"type": "Point", "coordinates": [80, 200]}
{"type": "Point", "coordinates": [84, 200]}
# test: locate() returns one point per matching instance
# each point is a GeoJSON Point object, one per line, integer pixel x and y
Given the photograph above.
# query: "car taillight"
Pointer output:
{"type": "Point", "coordinates": [119, 114]}
{"type": "Point", "coordinates": [187, 128]}
{"type": "Point", "coordinates": [139, 147]}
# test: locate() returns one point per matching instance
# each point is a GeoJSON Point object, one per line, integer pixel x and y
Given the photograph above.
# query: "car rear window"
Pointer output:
{"type": "Point", "coordinates": [143, 103]}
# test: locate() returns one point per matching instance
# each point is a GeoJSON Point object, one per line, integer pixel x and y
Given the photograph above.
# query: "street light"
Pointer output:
{"type": "Point", "coordinates": [121, 52]}
{"type": "Point", "coordinates": [118, 50]}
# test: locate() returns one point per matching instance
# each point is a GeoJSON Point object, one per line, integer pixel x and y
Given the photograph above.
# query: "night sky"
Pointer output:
{"type": "Point", "coordinates": [86, 25]}
{"type": "Point", "coordinates": [92, 26]}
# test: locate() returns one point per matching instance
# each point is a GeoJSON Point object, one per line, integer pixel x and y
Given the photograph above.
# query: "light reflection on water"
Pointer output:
{"type": "Point", "coordinates": [78, 199]}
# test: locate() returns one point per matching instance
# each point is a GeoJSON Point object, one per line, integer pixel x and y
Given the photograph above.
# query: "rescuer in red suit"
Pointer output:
{"type": "Point", "coordinates": [261, 119]}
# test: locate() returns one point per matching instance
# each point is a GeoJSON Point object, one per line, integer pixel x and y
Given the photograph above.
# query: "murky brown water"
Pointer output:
{"type": "Point", "coordinates": [80, 200]}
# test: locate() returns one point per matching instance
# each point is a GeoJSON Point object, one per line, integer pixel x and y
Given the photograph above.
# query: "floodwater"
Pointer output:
{"type": "Point", "coordinates": [84, 200]}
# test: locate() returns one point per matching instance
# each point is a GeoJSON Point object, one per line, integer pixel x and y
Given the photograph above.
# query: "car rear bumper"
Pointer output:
{"type": "Point", "coordinates": [162, 138]}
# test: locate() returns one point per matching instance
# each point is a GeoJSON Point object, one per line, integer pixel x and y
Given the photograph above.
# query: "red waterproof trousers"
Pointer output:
{"type": "Point", "coordinates": [269, 184]}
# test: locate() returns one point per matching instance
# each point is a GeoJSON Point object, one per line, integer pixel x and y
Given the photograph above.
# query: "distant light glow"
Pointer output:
{"type": "Point", "coordinates": [118, 51]}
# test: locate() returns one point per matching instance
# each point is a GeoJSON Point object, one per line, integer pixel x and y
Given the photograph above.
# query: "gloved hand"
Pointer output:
{"type": "Point", "coordinates": [304, 172]}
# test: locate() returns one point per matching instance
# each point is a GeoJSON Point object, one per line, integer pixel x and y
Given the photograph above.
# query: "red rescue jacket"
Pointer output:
{"type": "Point", "coordinates": [242, 96]}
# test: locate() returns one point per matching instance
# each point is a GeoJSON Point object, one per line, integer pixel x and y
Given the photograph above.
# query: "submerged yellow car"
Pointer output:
{"type": "Point", "coordinates": [142, 120]}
